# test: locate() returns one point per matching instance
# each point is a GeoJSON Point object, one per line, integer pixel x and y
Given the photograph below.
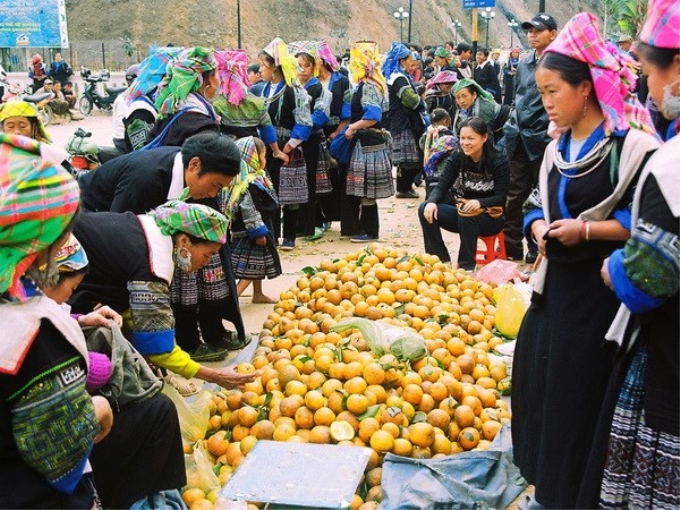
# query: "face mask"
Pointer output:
{"type": "Point", "coordinates": [670, 105]}
{"type": "Point", "coordinates": [183, 260]}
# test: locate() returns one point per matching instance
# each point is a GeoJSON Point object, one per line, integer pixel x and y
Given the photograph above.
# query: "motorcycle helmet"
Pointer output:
{"type": "Point", "coordinates": [131, 73]}
{"type": "Point", "coordinates": [83, 150]}
{"type": "Point", "coordinates": [105, 74]}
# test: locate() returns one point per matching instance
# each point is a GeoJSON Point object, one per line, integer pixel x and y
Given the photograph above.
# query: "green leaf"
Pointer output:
{"type": "Point", "coordinates": [268, 398]}
{"type": "Point", "coordinates": [309, 270]}
{"type": "Point", "coordinates": [419, 260]}
{"type": "Point", "coordinates": [371, 412]}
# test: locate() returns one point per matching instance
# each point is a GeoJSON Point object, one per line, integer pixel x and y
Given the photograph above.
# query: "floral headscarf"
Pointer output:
{"type": "Point", "coordinates": [251, 172]}
{"type": "Point", "coordinates": [151, 71]}
{"type": "Point", "coordinates": [232, 66]}
{"type": "Point", "coordinates": [278, 50]}
{"type": "Point", "coordinates": [612, 72]}
{"type": "Point", "coordinates": [397, 52]}
{"type": "Point", "coordinates": [197, 220]}
{"type": "Point", "coordinates": [38, 199]}
{"type": "Point", "coordinates": [184, 75]}
{"type": "Point", "coordinates": [327, 56]}
{"type": "Point", "coordinates": [365, 64]}
{"type": "Point", "coordinates": [71, 257]}
{"type": "Point", "coordinates": [24, 109]}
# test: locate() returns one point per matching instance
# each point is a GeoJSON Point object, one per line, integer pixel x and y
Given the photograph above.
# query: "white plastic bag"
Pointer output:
{"type": "Point", "coordinates": [385, 339]}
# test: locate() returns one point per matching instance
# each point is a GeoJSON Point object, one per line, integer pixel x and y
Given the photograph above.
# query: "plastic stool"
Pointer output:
{"type": "Point", "coordinates": [490, 252]}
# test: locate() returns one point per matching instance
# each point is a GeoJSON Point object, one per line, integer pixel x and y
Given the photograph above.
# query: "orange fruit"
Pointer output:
{"type": "Point", "coordinates": [421, 434]}
{"type": "Point", "coordinates": [341, 431]}
{"type": "Point", "coordinates": [464, 416]}
{"type": "Point", "coordinates": [382, 441]}
{"type": "Point", "coordinates": [324, 416]}
{"type": "Point", "coordinates": [402, 447]}
{"type": "Point", "coordinates": [357, 403]}
{"type": "Point", "coordinates": [367, 427]}
{"type": "Point", "coordinates": [374, 373]}
{"type": "Point", "coordinates": [321, 434]}
{"type": "Point", "coordinates": [468, 438]}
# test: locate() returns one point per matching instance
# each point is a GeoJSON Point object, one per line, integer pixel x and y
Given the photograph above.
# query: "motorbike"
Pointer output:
{"type": "Point", "coordinates": [91, 96]}
{"type": "Point", "coordinates": [14, 92]}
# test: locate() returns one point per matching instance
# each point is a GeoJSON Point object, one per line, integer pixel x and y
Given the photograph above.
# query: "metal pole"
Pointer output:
{"type": "Point", "coordinates": [410, 17]}
{"type": "Point", "coordinates": [486, 44]}
{"type": "Point", "coordinates": [103, 57]}
{"type": "Point", "coordinates": [512, 32]}
{"type": "Point", "coordinates": [238, 22]}
{"type": "Point", "coordinates": [401, 29]}
{"type": "Point", "coordinates": [541, 5]}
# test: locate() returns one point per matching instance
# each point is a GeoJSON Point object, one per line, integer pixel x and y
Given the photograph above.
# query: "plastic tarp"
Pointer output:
{"type": "Point", "coordinates": [474, 479]}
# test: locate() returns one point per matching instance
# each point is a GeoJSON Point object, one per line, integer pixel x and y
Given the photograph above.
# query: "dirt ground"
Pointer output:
{"type": "Point", "coordinates": [398, 227]}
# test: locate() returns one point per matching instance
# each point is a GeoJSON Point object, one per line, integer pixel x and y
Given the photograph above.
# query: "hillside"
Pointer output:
{"type": "Point", "coordinates": [213, 22]}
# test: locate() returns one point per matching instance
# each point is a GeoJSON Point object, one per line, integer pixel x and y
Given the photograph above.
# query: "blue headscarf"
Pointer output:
{"type": "Point", "coordinates": [152, 70]}
{"type": "Point", "coordinates": [396, 53]}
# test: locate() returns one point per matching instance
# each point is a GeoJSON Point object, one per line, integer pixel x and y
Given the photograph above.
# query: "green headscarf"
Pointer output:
{"type": "Point", "coordinates": [466, 82]}
{"type": "Point", "coordinates": [38, 199]}
{"type": "Point", "coordinates": [197, 220]}
{"type": "Point", "coordinates": [184, 76]}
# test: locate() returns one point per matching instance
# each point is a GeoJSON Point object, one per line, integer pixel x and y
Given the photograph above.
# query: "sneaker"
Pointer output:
{"type": "Point", "coordinates": [288, 244]}
{"type": "Point", "coordinates": [364, 238]}
{"type": "Point", "coordinates": [407, 194]}
{"type": "Point", "coordinates": [327, 226]}
{"type": "Point", "coordinates": [531, 257]}
{"type": "Point", "coordinates": [318, 234]}
{"type": "Point", "coordinates": [205, 352]}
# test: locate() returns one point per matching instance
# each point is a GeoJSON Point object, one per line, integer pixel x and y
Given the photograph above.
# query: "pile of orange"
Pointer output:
{"type": "Point", "coordinates": [319, 386]}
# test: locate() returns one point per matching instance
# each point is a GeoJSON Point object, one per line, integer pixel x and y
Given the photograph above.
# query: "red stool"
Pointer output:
{"type": "Point", "coordinates": [490, 252]}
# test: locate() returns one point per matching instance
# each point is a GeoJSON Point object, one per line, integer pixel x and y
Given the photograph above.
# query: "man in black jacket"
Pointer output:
{"type": "Point", "coordinates": [526, 136]}
{"type": "Point", "coordinates": [486, 75]}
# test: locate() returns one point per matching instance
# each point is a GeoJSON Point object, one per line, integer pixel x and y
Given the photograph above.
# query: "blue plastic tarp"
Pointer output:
{"type": "Point", "coordinates": [474, 479]}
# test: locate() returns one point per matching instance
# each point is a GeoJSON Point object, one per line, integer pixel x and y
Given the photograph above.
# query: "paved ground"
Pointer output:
{"type": "Point", "coordinates": [398, 227]}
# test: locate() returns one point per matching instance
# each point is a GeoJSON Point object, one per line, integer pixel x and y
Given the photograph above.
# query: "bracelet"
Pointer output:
{"type": "Point", "coordinates": [581, 231]}
{"type": "Point", "coordinates": [587, 231]}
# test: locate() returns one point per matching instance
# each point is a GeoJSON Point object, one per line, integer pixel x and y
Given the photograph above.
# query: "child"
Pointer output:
{"type": "Point", "coordinates": [437, 143]}
{"type": "Point", "coordinates": [251, 205]}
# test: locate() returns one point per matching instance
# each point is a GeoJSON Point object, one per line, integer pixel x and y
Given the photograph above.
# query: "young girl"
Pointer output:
{"type": "Point", "coordinates": [437, 143]}
{"type": "Point", "coordinates": [251, 205]}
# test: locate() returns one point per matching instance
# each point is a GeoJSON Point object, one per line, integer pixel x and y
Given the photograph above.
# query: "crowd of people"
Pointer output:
{"type": "Point", "coordinates": [127, 272]}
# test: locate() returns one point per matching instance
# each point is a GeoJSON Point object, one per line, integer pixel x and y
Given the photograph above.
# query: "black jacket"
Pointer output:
{"type": "Point", "coordinates": [528, 122]}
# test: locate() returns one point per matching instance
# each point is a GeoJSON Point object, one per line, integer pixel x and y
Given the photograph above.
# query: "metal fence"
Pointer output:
{"type": "Point", "coordinates": [112, 54]}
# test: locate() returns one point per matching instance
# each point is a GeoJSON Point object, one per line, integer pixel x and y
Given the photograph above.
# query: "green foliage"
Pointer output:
{"type": "Point", "coordinates": [629, 15]}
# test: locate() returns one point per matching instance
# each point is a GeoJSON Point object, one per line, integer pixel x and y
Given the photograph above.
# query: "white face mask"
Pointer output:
{"type": "Point", "coordinates": [670, 104]}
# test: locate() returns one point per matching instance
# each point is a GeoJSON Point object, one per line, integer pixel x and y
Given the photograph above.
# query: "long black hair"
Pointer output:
{"type": "Point", "coordinates": [479, 127]}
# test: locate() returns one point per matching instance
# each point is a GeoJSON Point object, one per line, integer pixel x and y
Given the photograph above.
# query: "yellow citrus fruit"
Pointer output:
{"type": "Point", "coordinates": [341, 431]}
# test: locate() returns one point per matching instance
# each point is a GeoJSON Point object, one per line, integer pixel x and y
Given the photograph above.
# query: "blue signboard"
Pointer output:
{"type": "Point", "coordinates": [471, 4]}
{"type": "Point", "coordinates": [33, 24]}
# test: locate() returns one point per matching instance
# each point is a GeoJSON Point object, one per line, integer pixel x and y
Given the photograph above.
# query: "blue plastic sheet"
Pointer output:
{"type": "Point", "coordinates": [475, 479]}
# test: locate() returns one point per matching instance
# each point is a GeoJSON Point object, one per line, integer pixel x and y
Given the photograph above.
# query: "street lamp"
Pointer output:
{"type": "Point", "coordinates": [513, 25]}
{"type": "Point", "coordinates": [401, 15]}
{"type": "Point", "coordinates": [456, 24]}
{"type": "Point", "coordinates": [488, 15]}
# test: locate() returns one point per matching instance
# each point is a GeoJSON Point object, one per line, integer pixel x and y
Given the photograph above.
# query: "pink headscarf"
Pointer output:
{"type": "Point", "coordinates": [442, 77]}
{"type": "Point", "coordinates": [232, 67]}
{"type": "Point", "coordinates": [612, 72]}
{"type": "Point", "coordinates": [327, 56]}
{"type": "Point", "coordinates": [662, 28]}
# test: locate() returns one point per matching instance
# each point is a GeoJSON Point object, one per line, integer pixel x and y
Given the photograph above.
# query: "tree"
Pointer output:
{"type": "Point", "coordinates": [629, 15]}
{"type": "Point", "coordinates": [128, 46]}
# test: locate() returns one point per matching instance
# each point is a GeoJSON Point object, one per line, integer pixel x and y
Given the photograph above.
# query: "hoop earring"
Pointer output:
{"type": "Point", "coordinates": [183, 261]}
{"type": "Point", "coordinates": [585, 105]}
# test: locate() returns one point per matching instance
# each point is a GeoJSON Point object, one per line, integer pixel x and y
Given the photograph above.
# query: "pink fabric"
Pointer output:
{"type": "Point", "coordinates": [327, 56]}
{"type": "Point", "coordinates": [662, 28]}
{"type": "Point", "coordinates": [232, 67]}
{"type": "Point", "coordinates": [612, 71]}
{"type": "Point", "coordinates": [442, 77]}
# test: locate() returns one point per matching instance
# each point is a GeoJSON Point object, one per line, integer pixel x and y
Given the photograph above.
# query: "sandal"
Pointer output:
{"type": "Point", "coordinates": [184, 387]}
{"type": "Point", "coordinates": [232, 341]}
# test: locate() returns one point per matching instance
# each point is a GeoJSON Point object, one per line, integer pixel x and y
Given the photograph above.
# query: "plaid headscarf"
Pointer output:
{"type": "Point", "coordinates": [232, 67]}
{"type": "Point", "coordinates": [365, 64]}
{"type": "Point", "coordinates": [311, 48]}
{"type": "Point", "coordinates": [184, 75]}
{"type": "Point", "coordinates": [38, 199]}
{"type": "Point", "coordinates": [612, 71]}
{"type": "Point", "coordinates": [278, 50]}
{"type": "Point", "coordinates": [327, 56]}
{"type": "Point", "coordinates": [71, 257]}
{"type": "Point", "coordinates": [442, 77]}
{"type": "Point", "coordinates": [466, 82]}
{"type": "Point", "coordinates": [662, 28]}
{"type": "Point", "coordinates": [251, 172]}
{"type": "Point", "coordinates": [397, 52]}
{"type": "Point", "coordinates": [197, 220]}
{"type": "Point", "coordinates": [24, 109]}
{"type": "Point", "coordinates": [152, 71]}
